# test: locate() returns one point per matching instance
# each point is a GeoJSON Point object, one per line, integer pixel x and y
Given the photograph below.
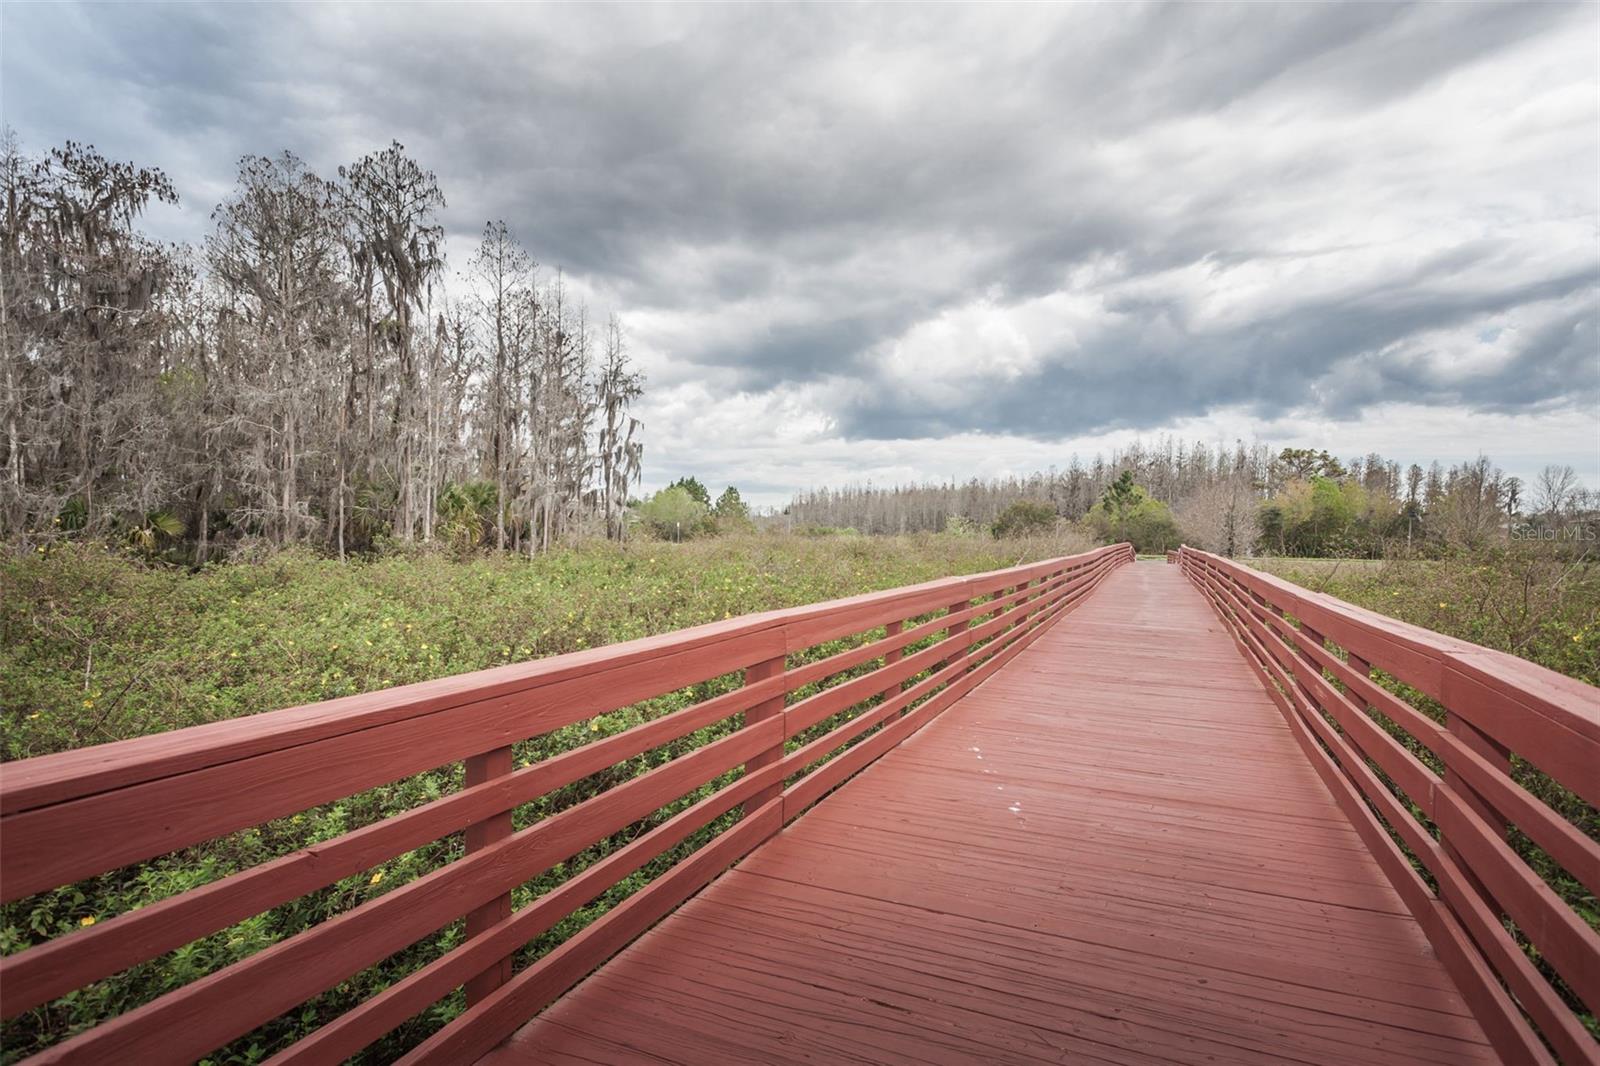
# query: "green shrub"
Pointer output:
{"type": "Point", "coordinates": [673, 514]}
{"type": "Point", "coordinates": [1127, 513]}
{"type": "Point", "coordinates": [1025, 518]}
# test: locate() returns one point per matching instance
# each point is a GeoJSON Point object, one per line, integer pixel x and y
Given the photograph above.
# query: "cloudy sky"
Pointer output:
{"type": "Point", "coordinates": [894, 243]}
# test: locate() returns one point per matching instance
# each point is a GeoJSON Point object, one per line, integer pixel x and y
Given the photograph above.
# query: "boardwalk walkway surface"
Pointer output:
{"type": "Point", "coordinates": [1113, 851]}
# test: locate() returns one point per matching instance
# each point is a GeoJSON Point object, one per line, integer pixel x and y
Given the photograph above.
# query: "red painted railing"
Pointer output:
{"type": "Point", "coordinates": [68, 817]}
{"type": "Point", "coordinates": [1435, 775]}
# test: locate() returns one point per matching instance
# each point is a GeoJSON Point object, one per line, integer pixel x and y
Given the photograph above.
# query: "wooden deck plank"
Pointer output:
{"type": "Point", "coordinates": [1110, 852]}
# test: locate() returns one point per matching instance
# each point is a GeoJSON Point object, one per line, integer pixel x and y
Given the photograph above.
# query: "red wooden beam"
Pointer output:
{"type": "Point", "coordinates": [481, 769]}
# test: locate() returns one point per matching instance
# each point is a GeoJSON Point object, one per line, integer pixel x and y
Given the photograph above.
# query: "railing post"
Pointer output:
{"type": "Point", "coordinates": [958, 627]}
{"type": "Point", "coordinates": [890, 658]}
{"type": "Point", "coordinates": [998, 594]}
{"type": "Point", "coordinates": [1310, 636]}
{"type": "Point", "coordinates": [480, 769]}
{"type": "Point", "coordinates": [761, 712]}
{"type": "Point", "coordinates": [1498, 756]}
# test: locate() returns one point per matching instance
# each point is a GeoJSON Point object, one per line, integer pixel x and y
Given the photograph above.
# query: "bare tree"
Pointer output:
{"type": "Point", "coordinates": [275, 254]}
{"type": "Point", "coordinates": [1221, 517]}
{"type": "Point", "coordinates": [83, 325]}
{"type": "Point", "coordinates": [617, 387]}
{"type": "Point", "coordinates": [1554, 490]}
{"type": "Point", "coordinates": [392, 203]}
{"type": "Point", "coordinates": [502, 277]}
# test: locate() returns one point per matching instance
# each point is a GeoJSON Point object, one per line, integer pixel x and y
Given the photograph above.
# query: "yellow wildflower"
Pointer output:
{"type": "Point", "coordinates": [594, 727]}
{"type": "Point", "coordinates": [86, 921]}
{"type": "Point", "coordinates": [376, 878]}
{"type": "Point", "coordinates": [88, 703]}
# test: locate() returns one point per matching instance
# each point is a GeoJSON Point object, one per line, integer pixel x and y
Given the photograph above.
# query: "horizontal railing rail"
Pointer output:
{"type": "Point", "coordinates": [806, 716]}
{"type": "Point", "coordinates": [1472, 775]}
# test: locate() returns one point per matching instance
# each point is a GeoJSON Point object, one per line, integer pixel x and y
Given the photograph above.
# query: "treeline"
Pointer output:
{"type": "Point", "coordinates": [1238, 501]}
{"type": "Point", "coordinates": [302, 376]}
{"type": "Point", "coordinates": [1167, 470]}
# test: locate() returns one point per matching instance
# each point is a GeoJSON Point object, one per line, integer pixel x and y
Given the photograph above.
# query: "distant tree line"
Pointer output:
{"type": "Point", "coordinates": [302, 377]}
{"type": "Point", "coordinates": [1237, 501]}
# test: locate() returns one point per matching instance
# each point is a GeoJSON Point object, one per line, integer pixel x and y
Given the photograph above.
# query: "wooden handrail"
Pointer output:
{"type": "Point", "coordinates": [71, 816]}
{"type": "Point", "coordinates": [1320, 659]}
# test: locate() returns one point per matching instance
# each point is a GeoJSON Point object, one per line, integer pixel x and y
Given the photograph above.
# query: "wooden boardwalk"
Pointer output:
{"type": "Point", "coordinates": [1113, 851]}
